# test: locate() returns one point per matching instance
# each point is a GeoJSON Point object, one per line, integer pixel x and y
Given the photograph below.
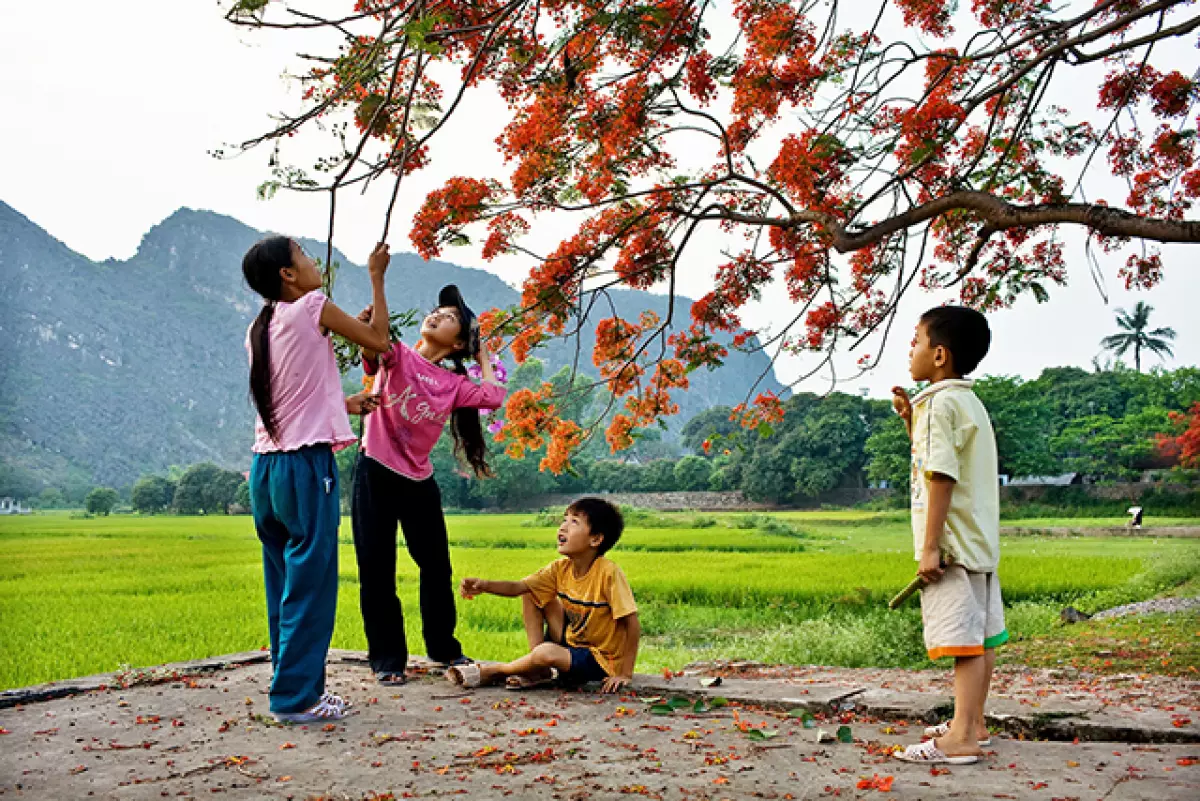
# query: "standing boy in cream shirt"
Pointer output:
{"type": "Point", "coordinates": [956, 523]}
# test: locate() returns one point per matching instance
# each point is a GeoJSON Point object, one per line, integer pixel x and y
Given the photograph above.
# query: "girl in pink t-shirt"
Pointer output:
{"type": "Point", "coordinates": [394, 484]}
{"type": "Point", "coordinates": [302, 420]}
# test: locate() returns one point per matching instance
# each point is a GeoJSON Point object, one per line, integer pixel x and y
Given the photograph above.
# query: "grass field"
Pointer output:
{"type": "Point", "coordinates": [85, 596]}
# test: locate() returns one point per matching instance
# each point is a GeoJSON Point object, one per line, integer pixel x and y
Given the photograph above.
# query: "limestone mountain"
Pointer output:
{"type": "Point", "coordinates": [112, 369]}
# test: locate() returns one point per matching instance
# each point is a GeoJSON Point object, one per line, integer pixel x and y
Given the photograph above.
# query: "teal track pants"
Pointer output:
{"type": "Point", "coordinates": [294, 500]}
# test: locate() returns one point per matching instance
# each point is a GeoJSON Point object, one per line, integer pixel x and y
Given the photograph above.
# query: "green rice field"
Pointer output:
{"type": "Point", "coordinates": [82, 596]}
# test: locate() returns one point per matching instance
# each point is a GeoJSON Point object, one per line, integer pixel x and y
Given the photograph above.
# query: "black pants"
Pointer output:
{"type": "Point", "coordinates": [383, 498]}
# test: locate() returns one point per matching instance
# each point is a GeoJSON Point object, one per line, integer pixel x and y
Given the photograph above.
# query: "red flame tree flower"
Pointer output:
{"type": "Point", "coordinates": [917, 136]}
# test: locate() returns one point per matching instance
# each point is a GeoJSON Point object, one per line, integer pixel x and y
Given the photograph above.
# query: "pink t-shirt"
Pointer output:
{"type": "Point", "coordinates": [305, 384]}
{"type": "Point", "coordinates": [416, 398]}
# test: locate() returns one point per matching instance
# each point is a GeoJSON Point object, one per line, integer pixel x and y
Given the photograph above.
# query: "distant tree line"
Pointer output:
{"type": "Point", "coordinates": [1108, 424]}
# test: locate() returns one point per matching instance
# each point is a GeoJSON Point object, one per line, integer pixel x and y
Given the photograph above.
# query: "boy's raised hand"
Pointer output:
{"type": "Point", "coordinates": [377, 262]}
{"type": "Point", "coordinates": [471, 587]}
{"type": "Point", "coordinates": [902, 404]}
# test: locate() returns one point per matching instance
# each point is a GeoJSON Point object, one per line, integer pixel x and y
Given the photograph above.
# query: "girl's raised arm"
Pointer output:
{"type": "Point", "coordinates": [372, 335]}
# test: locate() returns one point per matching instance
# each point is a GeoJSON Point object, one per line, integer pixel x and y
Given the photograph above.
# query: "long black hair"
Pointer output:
{"type": "Point", "coordinates": [468, 432]}
{"type": "Point", "coordinates": [260, 268]}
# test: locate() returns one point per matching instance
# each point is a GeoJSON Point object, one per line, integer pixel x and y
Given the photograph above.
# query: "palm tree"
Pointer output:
{"type": "Point", "coordinates": [1134, 335]}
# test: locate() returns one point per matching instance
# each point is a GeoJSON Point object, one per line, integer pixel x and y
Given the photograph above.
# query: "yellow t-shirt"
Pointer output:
{"type": "Point", "coordinates": [593, 605]}
{"type": "Point", "coordinates": [952, 435]}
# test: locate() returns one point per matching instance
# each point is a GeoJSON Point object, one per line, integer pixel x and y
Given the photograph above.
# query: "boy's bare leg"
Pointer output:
{"type": "Point", "coordinates": [542, 625]}
{"type": "Point", "coordinates": [535, 665]}
{"type": "Point", "coordinates": [989, 664]}
{"type": "Point", "coordinates": [970, 688]}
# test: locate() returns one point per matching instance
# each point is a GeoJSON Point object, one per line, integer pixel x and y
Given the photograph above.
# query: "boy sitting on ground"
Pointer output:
{"type": "Point", "coordinates": [580, 616]}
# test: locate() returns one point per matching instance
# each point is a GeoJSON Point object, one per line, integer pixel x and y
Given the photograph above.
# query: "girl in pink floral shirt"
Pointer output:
{"type": "Point", "coordinates": [393, 481]}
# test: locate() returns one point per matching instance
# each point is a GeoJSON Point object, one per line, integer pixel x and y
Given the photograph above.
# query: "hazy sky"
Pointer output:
{"type": "Point", "coordinates": [110, 111]}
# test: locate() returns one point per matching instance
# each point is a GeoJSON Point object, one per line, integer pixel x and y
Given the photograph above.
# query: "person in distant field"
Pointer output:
{"type": "Point", "coordinates": [956, 523]}
{"type": "Point", "coordinates": [1135, 518]}
{"type": "Point", "coordinates": [302, 419]}
{"type": "Point", "coordinates": [580, 617]}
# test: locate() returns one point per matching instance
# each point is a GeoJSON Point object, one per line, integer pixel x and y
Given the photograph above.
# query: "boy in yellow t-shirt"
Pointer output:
{"type": "Point", "coordinates": [580, 616]}
{"type": "Point", "coordinates": [956, 522]}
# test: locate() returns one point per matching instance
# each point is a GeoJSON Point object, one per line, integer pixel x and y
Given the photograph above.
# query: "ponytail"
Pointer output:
{"type": "Point", "coordinates": [260, 268]}
{"type": "Point", "coordinates": [468, 434]}
{"type": "Point", "coordinates": [260, 367]}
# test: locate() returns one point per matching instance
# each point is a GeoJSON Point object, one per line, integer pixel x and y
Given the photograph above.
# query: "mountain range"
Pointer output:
{"type": "Point", "coordinates": [117, 368]}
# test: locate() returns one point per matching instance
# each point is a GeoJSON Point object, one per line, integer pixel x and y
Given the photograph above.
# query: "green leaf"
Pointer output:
{"type": "Point", "coordinates": [762, 734]}
{"type": "Point", "coordinates": [765, 430]}
{"type": "Point", "coordinates": [844, 735]}
{"type": "Point", "coordinates": [662, 709]}
{"type": "Point", "coordinates": [248, 8]}
{"type": "Point", "coordinates": [267, 189]}
{"type": "Point", "coordinates": [700, 707]}
{"type": "Point", "coordinates": [679, 702]}
{"type": "Point", "coordinates": [718, 702]}
{"type": "Point", "coordinates": [805, 717]}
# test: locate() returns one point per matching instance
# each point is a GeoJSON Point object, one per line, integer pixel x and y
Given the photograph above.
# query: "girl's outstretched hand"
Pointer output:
{"type": "Point", "coordinates": [362, 403]}
{"type": "Point", "coordinates": [377, 262]}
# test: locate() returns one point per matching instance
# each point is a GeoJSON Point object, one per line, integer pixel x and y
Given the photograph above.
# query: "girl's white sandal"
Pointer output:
{"type": "Point", "coordinates": [942, 729]}
{"type": "Point", "coordinates": [927, 753]}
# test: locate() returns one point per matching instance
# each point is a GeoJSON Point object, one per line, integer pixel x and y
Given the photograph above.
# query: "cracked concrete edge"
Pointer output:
{"type": "Point", "coordinates": [1046, 723]}
{"type": "Point", "coordinates": [103, 681]}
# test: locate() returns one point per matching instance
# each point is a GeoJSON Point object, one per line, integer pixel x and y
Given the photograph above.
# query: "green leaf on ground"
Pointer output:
{"type": "Point", "coordinates": [806, 717]}
{"type": "Point", "coordinates": [844, 735]}
{"type": "Point", "coordinates": [759, 735]}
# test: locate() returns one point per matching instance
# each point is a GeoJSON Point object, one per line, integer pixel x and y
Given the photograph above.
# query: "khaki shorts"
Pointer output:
{"type": "Point", "coordinates": [963, 614]}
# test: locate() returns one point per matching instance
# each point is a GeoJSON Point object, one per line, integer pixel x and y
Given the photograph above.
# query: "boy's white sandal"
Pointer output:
{"type": "Point", "coordinates": [942, 729]}
{"type": "Point", "coordinates": [325, 709]}
{"type": "Point", "coordinates": [927, 753]}
{"type": "Point", "coordinates": [467, 675]}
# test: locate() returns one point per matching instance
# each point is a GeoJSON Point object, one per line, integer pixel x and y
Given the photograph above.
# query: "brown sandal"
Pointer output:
{"type": "Point", "coordinates": [521, 683]}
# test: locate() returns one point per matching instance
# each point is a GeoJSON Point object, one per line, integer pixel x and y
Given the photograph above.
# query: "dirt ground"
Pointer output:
{"type": "Point", "coordinates": [208, 734]}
